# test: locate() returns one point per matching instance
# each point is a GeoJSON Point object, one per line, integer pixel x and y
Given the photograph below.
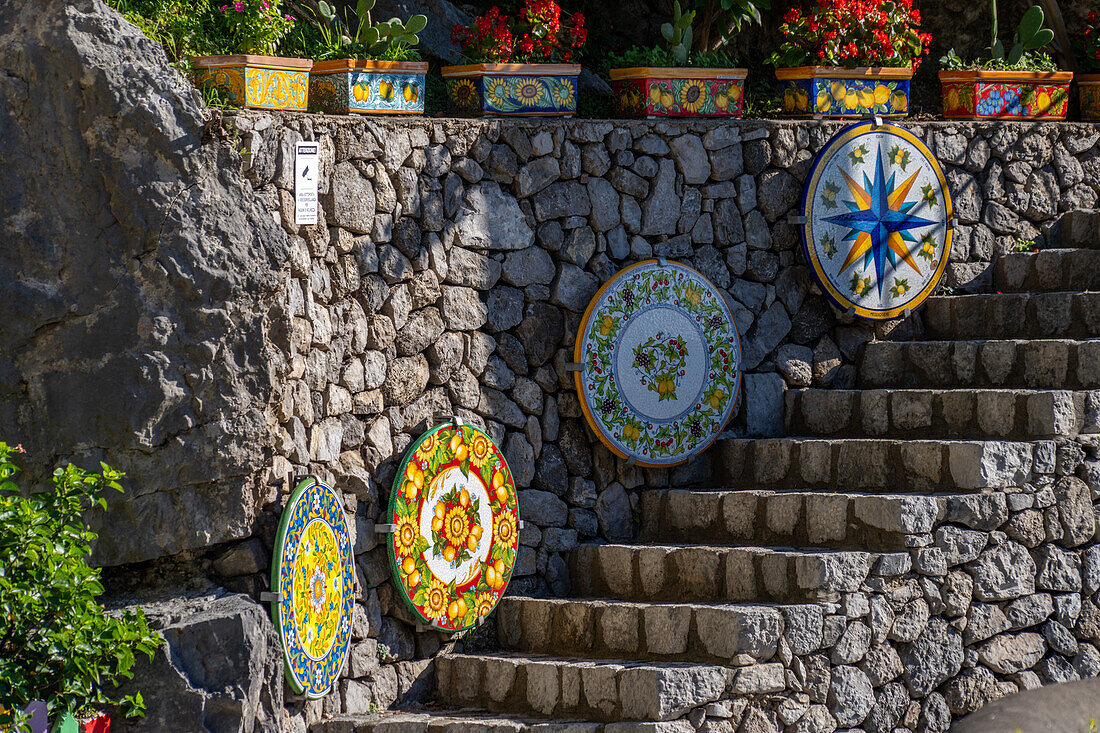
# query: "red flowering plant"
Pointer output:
{"type": "Point", "coordinates": [1089, 48]}
{"type": "Point", "coordinates": [538, 34]}
{"type": "Point", "coordinates": [851, 33]}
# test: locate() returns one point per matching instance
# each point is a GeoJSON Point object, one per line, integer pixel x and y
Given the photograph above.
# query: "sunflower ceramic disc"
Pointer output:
{"type": "Point", "coordinates": [660, 362]}
{"type": "Point", "coordinates": [456, 526]}
{"type": "Point", "coordinates": [878, 220]}
{"type": "Point", "coordinates": [314, 572]}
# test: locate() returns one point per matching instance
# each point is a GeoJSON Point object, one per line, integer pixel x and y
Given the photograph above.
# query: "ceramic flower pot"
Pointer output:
{"type": "Point", "coordinates": [1088, 86]}
{"type": "Point", "coordinates": [1017, 95]}
{"type": "Point", "coordinates": [833, 92]}
{"type": "Point", "coordinates": [544, 90]}
{"type": "Point", "coordinates": [371, 87]}
{"type": "Point", "coordinates": [261, 82]}
{"type": "Point", "coordinates": [672, 92]}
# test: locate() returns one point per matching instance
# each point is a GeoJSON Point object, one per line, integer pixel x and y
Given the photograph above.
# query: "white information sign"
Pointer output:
{"type": "Point", "coordinates": [305, 184]}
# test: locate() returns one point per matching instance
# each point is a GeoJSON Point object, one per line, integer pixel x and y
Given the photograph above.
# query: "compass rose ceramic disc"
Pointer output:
{"type": "Point", "coordinates": [314, 572]}
{"type": "Point", "coordinates": [878, 220]}
{"type": "Point", "coordinates": [456, 527]}
{"type": "Point", "coordinates": [660, 362]}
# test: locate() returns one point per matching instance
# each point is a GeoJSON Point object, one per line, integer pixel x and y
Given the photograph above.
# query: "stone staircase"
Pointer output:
{"type": "Point", "coordinates": [904, 559]}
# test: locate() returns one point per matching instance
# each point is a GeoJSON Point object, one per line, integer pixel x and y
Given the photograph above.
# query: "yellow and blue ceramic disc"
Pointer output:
{"type": "Point", "coordinates": [456, 527]}
{"type": "Point", "coordinates": [659, 361]}
{"type": "Point", "coordinates": [314, 573]}
{"type": "Point", "coordinates": [878, 220]}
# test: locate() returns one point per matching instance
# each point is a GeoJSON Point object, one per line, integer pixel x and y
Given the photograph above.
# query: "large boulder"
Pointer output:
{"type": "Point", "coordinates": [220, 669]}
{"type": "Point", "coordinates": [139, 272]}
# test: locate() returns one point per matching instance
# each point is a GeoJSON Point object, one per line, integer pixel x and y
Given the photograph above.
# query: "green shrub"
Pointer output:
{"type": "Point", "coordinates": [57, 643]}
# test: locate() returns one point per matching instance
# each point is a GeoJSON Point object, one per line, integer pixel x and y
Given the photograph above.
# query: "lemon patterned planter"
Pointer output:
{"type": "Point", "coordinates": [1015, 95]}
{"type": "Point", "coordinates": [831, 92]}
{"type": "Point", "coordinates": [371, 87]}
{"type": "Point", "coordinates": [543, 90]}
{"type": "Point", "coordinates": [1089, 90]}
{"type": "Point", "coordinates": [261, 82]}
{"type": "Point", "coordinates": [671, 92]}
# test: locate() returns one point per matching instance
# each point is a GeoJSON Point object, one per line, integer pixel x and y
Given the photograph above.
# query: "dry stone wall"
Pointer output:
{"type": "Point", "coordinates": [448, 274]}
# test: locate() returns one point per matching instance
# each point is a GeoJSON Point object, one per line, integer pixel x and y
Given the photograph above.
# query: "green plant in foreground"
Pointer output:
{"type": "Point", "coordinates": [1024, 245]}
{"type": "Point", "coordinates": [57, 643]}
{"type": "Point", "coordinates": [371, 40]}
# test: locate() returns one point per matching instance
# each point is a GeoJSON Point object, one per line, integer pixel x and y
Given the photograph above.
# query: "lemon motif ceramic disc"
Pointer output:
{"type": "Point", "coordinates": [660, 363]}
{"type": "Point", "coordinates": [878, 220]}
{"type": "Point", "coordinates": [314, 573]}
{"type": "Point", "coordinates": [456, 526]}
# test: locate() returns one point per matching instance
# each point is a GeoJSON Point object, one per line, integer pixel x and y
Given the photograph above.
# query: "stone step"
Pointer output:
{"type": "Point", "coordinates": [738, 634]}
{"type": "Point", "coordinates": [722, 574]}
{"type": "Point", "coordinates": [450, 721]}
{"type": "Point", "coordinates": [1012, 316]}
{"type": "Point", "coordinates": [882, 466]}
{"type": "Point", "coordinates": [1038, 364]}
{"type": "Point", "coordinates": [1047, 271]}
{"type": "Point", "coordinates": [797, 518]}
{"type": "Point", "coordinates": [1078, 228]}
{"type": "Point", "coordinates": [568, 687]}
{"type": "Point", "coordinates": [1004, 414]}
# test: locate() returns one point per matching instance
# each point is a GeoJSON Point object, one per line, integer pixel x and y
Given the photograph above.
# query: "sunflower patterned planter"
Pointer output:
{"type": "Point", "coordinates": [371, 87]}
{"type": "Point", "coordinates": [831, 92]}
{"type": "Point", "coordinates": [546, 90]}
{"type": "Point", "coordinates": [1016, 95]}
{"type": "Point", "coordinates": [456, 527]}
{"type": "Point", "coordinates": [261, 82]}
{"type": "Point", "coordinates": [672, 92]}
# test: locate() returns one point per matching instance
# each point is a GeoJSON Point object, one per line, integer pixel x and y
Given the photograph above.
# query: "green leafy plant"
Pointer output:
{"type": "Point", "coordinates": [718, 21]}
{"type": "Point", "coordinates": [57, 643]}
{"type": "Point", "coordinates": [1024, 245]}
{"type": "Point", "coordinates": [1023, 54]}
{"type": "Point", "coordinates": [183, 28]}
{"type": "Point", "coordinates": [391, 39]}
{"type": "Point", "coordinates": [678, 35]}
{"type": "Point", "coordinates": [682, 48]}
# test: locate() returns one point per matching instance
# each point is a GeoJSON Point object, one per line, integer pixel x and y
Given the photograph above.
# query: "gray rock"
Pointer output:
{"type": "Point", "coordinates": [471, 269]}
{"type": "Point", "coordinates": [851, 697]}
{"type": "Point", "coordinates": [763, 404]}
{"type": "Point", "coordinates": [934, 657]}
{"type": "Point", "coordinates": [491, 219]}
{"type": "Point", "coordinates": [1075, 511]}
{"type": "Point", "coordinates": [573, 288]}
{"type": "Point", "coordinates": [691, 158]}
{"type": "Point", "coordinates": [1003, 572]}
{"type": "Point", "coordinates": [972, 689]}
{"type": "Point", "coordinates": [521, 459]}
{"type": "Point", "coordinates": [542, 508]}
{"type": "Point", "coordinates": [237, 685]}
{"type": "Point", "coordinates": [959, 545]}
{"type": "Point", "coordinates": [527, 266]}
{"type": "Point", "coordinates": [661, 208]}
{"type": "Point", "coordinates": [1059, 570]}
{"type": "Point", "coordinates": [1011, 653]}
{"type": "Point", "coordinates": [890, 706]}
{"type": "Point", "coordinates": [462, 309]}
{"type": "Point", "coordinates": [614, 514]}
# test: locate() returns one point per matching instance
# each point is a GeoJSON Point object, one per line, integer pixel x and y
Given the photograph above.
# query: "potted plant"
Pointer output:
{"type": "Point", "coordinates": [675, 81]}
{"type": "Point", "coordinates": [376, 70]}
{"type": "Point", "coordinates": [1089, 83]}
{"type": "Point", "coordinates": [541, 80]}
{"type": "Point", "coordinates": [60, 653]}
{"type": "Point", "coordinates": [248, 74]}
{"type": "Point", "coordinates": [1022, 83]}
{"type": "Point", "coordinates": [849, 58]}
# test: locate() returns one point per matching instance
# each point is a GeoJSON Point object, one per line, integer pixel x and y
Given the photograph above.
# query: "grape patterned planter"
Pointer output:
{"type": "Point", "coordinates": [1089, 86]}
{"type": "Point", "coordinates": [671, 92]}
{"type": "Point", "coordinates": [370, 87]}
{"type": "Point", "coordinates": [1016, 95]}
{"type": "Point", "coordinates": [260, 82]}
{"type": "Point", "coordinates": [832, 92]}
{"type": "Point", "coordinates": [543, 90]}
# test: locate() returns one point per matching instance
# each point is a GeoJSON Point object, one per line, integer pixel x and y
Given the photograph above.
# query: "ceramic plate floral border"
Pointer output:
{"type": "Point", "coordinates": [878, 220]}
{"type": "Point", "coordinates": [660, 363]}
{"type": "Point", "coordinates": [456, 527]}
{"type": "Point", "coordinates": [314, 572]}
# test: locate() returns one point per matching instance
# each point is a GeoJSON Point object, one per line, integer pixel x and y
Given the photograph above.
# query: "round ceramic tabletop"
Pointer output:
{"type": "Point", "coordinates": [456, 526]}
{"type": "Point", "coordinates": [878, 220]}
{"type": "Point", "coordinates": [314, 573]}
{"type": "Point", "coordinates": [660, 359]}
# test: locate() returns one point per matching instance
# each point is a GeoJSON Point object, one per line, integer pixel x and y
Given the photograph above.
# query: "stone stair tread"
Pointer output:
{"type": "Point", "coordinates": [706, 573]}
{"type": "Point", "coordinates": [1038, 363]}
{"type": "Point", "coordinates": [895, 466]}
{"type": "Point", "coordinates": [710, 633]}
{"type": "Point", "coordinates": [966, 413]}
{"type": "Point", "coordinates": [1048, 270]}
{"type": "Point", "coordinates": [604, 690]}
{"type": "Point", "coordinates": [457, 720]}
{"type": "Point", "coordinates": [1012, 315]}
